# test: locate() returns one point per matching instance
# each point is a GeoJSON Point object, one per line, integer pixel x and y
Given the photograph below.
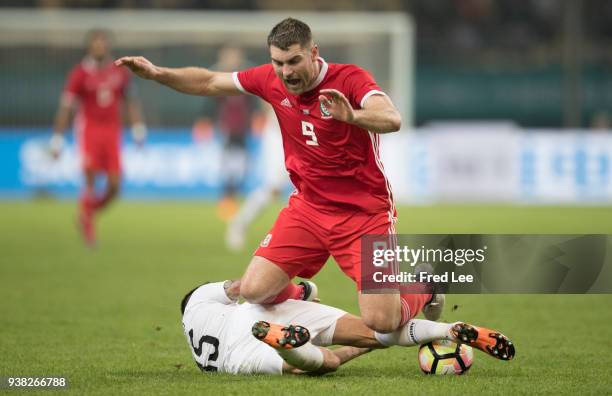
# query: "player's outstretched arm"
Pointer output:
{"type": "Point", "coordinates": [60, 124]}
{"type": "Point", "coordinates": [378, 115]}
{"type": "Point", "coordinates": [189, 80]}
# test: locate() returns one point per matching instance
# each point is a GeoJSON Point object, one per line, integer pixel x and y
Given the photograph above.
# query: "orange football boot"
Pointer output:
{"type": "Point", "coordinates": [489, 341]}
{"type": "Point", "coordinates": [279, 336]}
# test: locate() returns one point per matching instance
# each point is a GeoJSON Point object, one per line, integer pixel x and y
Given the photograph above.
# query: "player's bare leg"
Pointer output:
{"type": "Point", "coordinates": [350, 330]}
{"type": "Point", "coordinates": [381, 312]}
{"type": "Point", "coordinates": [113, 186]}
{"type": "Point", "coordinates": [332, 360]}
{"type": "Point", "coordinates": [90, 203]}
{"type": "Point", "coordinates": [86, 209]}
{"type": "Point", "coordinates": [262, 280]}
{"type": "Point", "coordinates": [300, 356]}
{"type": "Point", "coordinates": [292, 341]}
{"type": "Point", "coordinates": [266, 283]}
{"type": "Point", "coordinates": [421, 331]}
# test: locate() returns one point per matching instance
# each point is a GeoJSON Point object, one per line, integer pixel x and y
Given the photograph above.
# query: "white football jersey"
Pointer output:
{"type": "Point", "coordinates": [218, 330]}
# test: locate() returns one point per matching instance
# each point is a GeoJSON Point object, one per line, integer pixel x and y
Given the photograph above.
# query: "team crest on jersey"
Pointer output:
{"type": "Point", "coordinates": [266, 241]}
{"type": "Point", "coordinates": [324, 111]}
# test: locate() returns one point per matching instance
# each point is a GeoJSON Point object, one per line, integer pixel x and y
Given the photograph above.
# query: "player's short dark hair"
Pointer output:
{"type": "Point", "coordinates": [289, 31]}
{"type": "Point", "coordinates": [185, 299]}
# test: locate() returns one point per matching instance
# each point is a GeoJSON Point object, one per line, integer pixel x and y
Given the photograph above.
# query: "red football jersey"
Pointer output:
{"type": "Point", "coordinates": [331, 163]}
{"type": "Point", "coordinates": [100, 90]}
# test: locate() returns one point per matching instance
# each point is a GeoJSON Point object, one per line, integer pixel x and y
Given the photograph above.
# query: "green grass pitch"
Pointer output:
{"type": "Point", "coordinates": [109, 319]}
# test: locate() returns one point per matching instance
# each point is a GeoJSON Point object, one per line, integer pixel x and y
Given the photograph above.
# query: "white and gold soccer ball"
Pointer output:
{"type": "Point", "coordinates": [445, 358]}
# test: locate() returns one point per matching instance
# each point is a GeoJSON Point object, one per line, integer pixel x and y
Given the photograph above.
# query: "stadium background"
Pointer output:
{"type": "Point", "coordinates": [510, 104]}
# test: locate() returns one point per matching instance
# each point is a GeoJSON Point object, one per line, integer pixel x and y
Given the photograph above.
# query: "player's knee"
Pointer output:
{"type": "Point", "coordinates": [380, 322]}
{"type": "Point", "coordinates": [252, 293]}
{"type": "Point", "coordinates": [331, 363]}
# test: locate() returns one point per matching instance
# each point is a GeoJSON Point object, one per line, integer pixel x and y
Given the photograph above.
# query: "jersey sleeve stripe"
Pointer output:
{"type": "Point", "coordinates": [375, 149]}
{"type": "Point", "coordinates": [238, 84]}
{"type": "Point", "coordinates": [370, 93]}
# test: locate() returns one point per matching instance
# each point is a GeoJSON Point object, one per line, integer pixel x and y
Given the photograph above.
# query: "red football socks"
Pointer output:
{"type": "Point", "coordinates": [87, 201]}
{"type": "Point", "coordinates": [292, 291]}
{"type": "Point", "coordinates": [412, 304]}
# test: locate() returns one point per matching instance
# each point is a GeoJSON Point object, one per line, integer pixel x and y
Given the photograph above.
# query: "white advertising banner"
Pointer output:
{"type": "Point", "coordinates": [499, 163]}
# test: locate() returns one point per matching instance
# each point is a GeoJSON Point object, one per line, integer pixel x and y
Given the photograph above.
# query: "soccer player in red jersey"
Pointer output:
{"type": "Point", "coordinates": [98, 89]}
{"type": "Point", "coordinates": [330, 117]}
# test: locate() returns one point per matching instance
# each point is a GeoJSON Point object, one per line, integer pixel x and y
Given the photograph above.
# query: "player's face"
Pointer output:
{"type": "Point", "coordinates": [297, 67]}
{"type": "Point", "coordinates": [99, 47]}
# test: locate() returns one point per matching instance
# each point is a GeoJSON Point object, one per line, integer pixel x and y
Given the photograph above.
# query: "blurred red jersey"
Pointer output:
{"type": "Point", "coordinates": [333, 165]}
{"type": "Point", "coordinates": [100, 91]}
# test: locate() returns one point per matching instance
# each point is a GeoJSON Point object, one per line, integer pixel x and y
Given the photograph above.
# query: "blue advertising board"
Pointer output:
{"type": "Point", "coordinates": [170, 165]}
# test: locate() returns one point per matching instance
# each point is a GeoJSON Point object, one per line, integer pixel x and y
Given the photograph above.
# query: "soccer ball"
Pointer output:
{"type": "Point", "coordinates": [445, 358]}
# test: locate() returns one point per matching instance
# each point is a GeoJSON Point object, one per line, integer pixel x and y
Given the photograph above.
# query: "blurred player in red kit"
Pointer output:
{"type": "Point", "coordinates": [97, 89]}
{"type": "Point", "coordinates": [330, 116]}
{"type": "Point", "coordinates": [232, 117]}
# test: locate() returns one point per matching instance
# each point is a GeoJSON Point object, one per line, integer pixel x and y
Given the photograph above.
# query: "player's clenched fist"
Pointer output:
{"type": "Point", "coordinates": [140, 66]}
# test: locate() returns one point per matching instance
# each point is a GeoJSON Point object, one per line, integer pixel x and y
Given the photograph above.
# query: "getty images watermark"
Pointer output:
{"type": "Point", "coordinates": [486, 263]}
{"type": "Point", "coordinates": [386, 257]}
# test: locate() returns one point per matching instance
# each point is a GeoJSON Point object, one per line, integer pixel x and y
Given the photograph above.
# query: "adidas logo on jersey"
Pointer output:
{"type": "Point", "coordinates": [286, 103]}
